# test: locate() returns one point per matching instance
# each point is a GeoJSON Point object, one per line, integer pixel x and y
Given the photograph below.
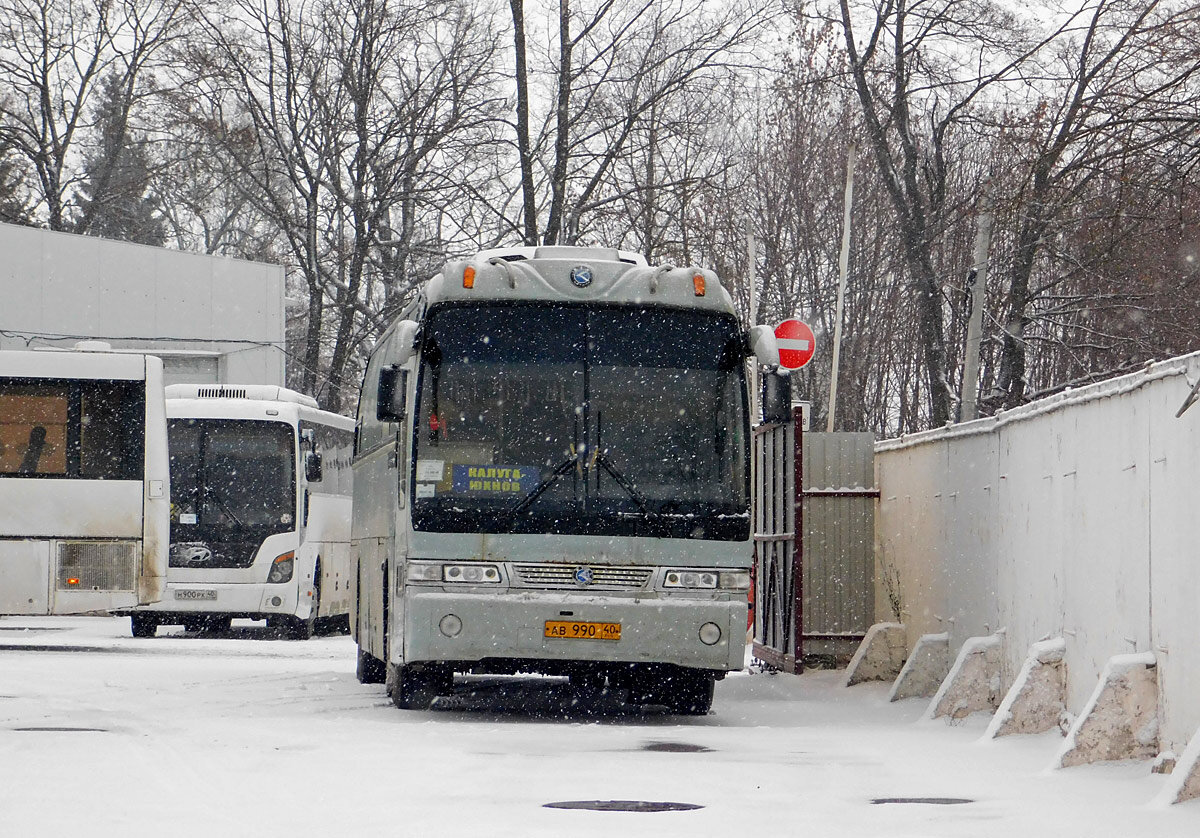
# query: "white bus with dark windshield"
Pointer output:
{"type": "Point", "coordinates": [552, 476]}
{"type": "Point", "coordinates": [83, 481]}
{"type": "Point", "coordinates": [260, 512]}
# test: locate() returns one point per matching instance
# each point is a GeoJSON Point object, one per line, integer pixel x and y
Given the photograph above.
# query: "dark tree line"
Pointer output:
{"type": "Point", "coordinates": [363, 142]}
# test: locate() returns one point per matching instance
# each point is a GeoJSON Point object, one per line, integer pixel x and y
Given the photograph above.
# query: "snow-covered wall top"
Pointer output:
{"type": "Point", "coordinates": [1073, 517]}
{"type": "Point", "coordinates": [211, 319]}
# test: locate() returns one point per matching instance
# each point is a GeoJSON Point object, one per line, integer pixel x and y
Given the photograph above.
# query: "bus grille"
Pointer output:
{"type": "Point", "coordinates": [97, 566]}
{"type": "Point", "coordinates": [563, 576]}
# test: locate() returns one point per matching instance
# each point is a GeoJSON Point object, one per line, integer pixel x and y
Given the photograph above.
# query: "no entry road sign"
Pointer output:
{"type": "Point", "coordinates": [796, 343]}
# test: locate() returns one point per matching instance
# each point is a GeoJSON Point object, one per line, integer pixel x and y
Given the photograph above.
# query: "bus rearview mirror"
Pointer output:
{"type": "Point", "coordinates": [763, 345]}
{"type": "Point", "coordinates": [405, 341]}
{"type": "Point", "coordinates": [389, 403]}
{"type": "Point", "coordinates": [312, 467]}
{"type": "Point", "coordinates": [777, 398]}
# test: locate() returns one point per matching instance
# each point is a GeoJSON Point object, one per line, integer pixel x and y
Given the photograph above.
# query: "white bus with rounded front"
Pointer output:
{"type": "Point", "coordinates": [260, 511]}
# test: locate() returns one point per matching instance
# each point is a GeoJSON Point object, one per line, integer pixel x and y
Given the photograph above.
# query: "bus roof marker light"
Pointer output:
{"type": "Point", "coordinates": [698, 284]}
{"type": "Point", "coordinates": [469, 276]}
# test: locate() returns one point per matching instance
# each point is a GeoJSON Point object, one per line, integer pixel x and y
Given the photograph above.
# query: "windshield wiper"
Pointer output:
{"type": "Point", "coordinates": [603, 460]}
{"type": "Point", "coordinates": [210, 492]}
{"type": "Point", "coordinates": [541, 488]}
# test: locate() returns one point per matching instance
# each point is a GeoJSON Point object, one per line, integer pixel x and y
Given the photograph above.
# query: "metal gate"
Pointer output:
{"type": "Point", "coordinates": [814, 559]}
{"type": "Point", "coordinates": [837, 507]}
{"type": "Point", "coordinates": [777, 581]}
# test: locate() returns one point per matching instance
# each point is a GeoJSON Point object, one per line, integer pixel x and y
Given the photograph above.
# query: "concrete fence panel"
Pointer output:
{"type": "Point", "coordinates": [1073, 517]}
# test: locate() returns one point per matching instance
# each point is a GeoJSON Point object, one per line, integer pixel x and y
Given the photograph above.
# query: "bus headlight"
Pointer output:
{"type": "Point", "coordinates": [423, 571]}
{"type": "Point", "coordinates": [734, 580]}
{"type": "Point", "coordinates": [675, 578]}
{"type": "Point", "coordinates": [282, 568]}
{"type": "Point", "coordinates": [469, 573]}
{"type": "Point", "coordinates": [473, 573]}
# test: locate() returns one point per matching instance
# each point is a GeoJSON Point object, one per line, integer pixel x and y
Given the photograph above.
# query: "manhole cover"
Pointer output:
{"type": "Point", "coordinates": [939, 801]}
{"type": "Point", "coordinates": [676, 748]}
{"type": "Point", "coordinates": [61, 729]}
{"type": "Point", "coordinates": [624, 805]}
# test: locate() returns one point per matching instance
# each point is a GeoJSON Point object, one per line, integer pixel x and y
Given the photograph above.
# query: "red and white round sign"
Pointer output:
{"type": "Point", "coordinates": [796, 343]}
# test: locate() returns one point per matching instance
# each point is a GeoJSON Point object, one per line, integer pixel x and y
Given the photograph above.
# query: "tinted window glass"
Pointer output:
{"type": "Point", "coordinates": [231, 476]}
{"type": "Point", "coordinates": [616, 420]}
{"type": "Point", "coordinates": [83, 429]}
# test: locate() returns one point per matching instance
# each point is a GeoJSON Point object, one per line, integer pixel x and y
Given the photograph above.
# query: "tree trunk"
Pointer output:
{"type": "Point", "coordinates": [562, 115]}
{"type": "Point", "coordinates": [523, 145]}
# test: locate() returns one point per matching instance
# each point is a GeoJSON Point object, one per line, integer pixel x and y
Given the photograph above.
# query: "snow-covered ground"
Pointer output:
{"type": "Point", "coordinates": [102, 734]}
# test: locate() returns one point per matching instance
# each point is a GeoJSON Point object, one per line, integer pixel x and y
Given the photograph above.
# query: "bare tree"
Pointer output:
{"type": "Point", "coordinates": [350, 125]}
{"type": "Point", "coordinates": [615, 69]}
{"type": "Point", "coordinates": [53, 54]}
{"type": "Point", "coordinates": [1117, 83]}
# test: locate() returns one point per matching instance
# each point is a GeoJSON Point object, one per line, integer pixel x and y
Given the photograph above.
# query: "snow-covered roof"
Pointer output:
{"type": "Point", "coordinates": [576, 274]}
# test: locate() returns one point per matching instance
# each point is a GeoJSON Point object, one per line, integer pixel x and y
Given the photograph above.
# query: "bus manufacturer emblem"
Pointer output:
{"type": "Point", "coordinates": [584, 576]}
{"type": "Point", "coordinates": [191, 553]}
{"type": "Point", "coordinates": [581, 275]}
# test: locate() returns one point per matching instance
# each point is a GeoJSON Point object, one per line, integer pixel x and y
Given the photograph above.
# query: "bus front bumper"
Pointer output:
{"type": "Point", "coordinates": [252, 600]}
{"type": "Point", "coordinates": [514, 626]}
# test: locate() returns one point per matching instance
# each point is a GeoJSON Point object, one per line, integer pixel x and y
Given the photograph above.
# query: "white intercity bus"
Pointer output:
{"type": "Point", "coordinates": [83, 481]}
{"type": "Point", "coordinates": [260, 511]}
{"type": "Point", "coordinates": [552, 475]}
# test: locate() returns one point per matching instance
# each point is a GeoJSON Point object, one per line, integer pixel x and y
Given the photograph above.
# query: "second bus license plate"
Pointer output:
{"type": "Point", "coordinates": [575, 630]}
{"type": "Point", "coordinates": [195, 593]}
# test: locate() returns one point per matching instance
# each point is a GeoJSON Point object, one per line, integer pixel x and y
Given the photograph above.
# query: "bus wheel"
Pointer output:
{"type": "Point", "coordinates": [143, 625]}
{"type": "Point", "coordinates": [689, 693]}
{"type": "Point", "coordinates": [298, 629]}
{"type": "Point", "coordinates": [415, 687]}
{"type": "Point", "coordinates": [370, 669]}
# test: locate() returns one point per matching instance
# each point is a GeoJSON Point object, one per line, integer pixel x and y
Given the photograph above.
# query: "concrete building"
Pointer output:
{"type": "Point", "coordinates": [211, 319]}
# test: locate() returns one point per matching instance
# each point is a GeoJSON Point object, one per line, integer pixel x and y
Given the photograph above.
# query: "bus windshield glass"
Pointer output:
{"type": "Point", "coordinates": [614, 420]}
{"type": "Point", "coordinates": [232, 483]}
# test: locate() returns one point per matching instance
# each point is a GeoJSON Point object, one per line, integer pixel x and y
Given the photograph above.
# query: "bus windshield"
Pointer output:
{"type": "Point", "coordinates": [232, 484]}
{"type": "Point", "coordinates": [615, 420]}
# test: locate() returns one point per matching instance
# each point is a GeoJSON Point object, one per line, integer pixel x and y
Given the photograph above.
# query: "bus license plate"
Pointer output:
{"type": "Point", "coordinates": [573, 630]}
{"type": "Point", "coordinates": [195, 594]}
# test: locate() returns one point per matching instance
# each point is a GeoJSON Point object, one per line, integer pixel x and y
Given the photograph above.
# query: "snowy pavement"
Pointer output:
{"type": "Point", "coordinates": [102, 734]}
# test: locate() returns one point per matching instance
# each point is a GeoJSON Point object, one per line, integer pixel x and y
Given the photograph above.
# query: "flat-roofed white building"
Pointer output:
{"type": "Point", "coordinates": [210, 318]}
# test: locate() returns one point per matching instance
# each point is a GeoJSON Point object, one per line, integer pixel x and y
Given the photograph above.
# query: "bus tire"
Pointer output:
{"type": "Point", "coordinates": [689, 693]}
{"type": "Point", "coordinates": [300, 629]}
{"type": "Point", "coordinates": [143, 625]}
{"type": "Point", "coordinates": [370, 669]}
{"type": "Point", "coordinates": [415, 687]}
{"type": "Point", "coordinates": [303, 629]}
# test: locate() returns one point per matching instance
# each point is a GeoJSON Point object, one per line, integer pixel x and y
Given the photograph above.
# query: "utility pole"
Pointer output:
{"type": "Point", "coordinates": [843, 268]}
{"type": "Point", "coordinates": [752, 276]}
{"type": "Point", "coordinates": [976, 288]}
